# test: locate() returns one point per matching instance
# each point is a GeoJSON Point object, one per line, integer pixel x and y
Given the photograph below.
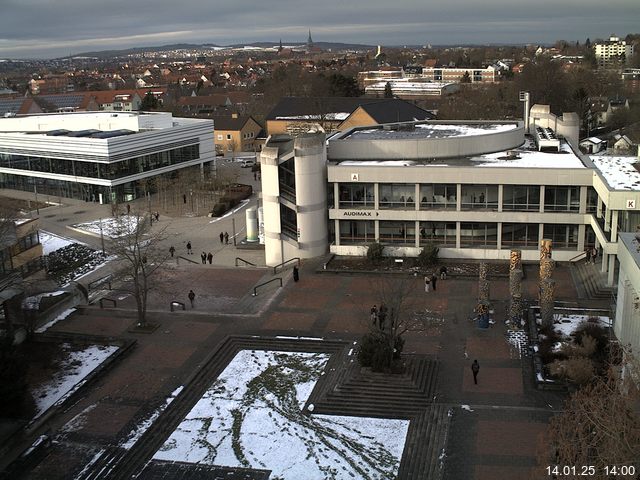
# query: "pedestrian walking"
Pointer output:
{"type": "Point", "coordinates": [157, 215]}
{"type": "Point", "coordinates": [374, 315]}
{"type": "Point", "coordinates": [226, 238]}
{"type": "Point", "coordinates": [443, 272]}
{"type": "Point", "coordinates": [434, 279]}
{"type": "Point", "coordinates": [203, 257]}
{"type": "Point", "coordinates": [296, 273]}
{"type": "Point", "coordinates": [475, 368]}
{"type": "Point", "coordinates": [221, 237]}
{"type": "Point", "coordinates": [427, 283]}
{"type": "Point", "coordinates": [588, 251]}
{"type": "Point", "coordinates": [184, 198]}
{"type": "Point", "coordinates": [594, 254]}
{"type": "Point", "coordinates": [172, 250]}
{"type": "Point", "coordinates": [210, 257]}
{"type": "Point", "coordinates": [255, 176]}
{"type": "Point", "coordinates": [189, 248]}
{"type": "Point", "coordinates": [128, 209]}
{"type": "Point", "coordinates": [192, 297]}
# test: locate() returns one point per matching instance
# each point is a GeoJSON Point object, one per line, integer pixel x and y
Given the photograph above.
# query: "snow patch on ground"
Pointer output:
{"type": "Point", "coordinates": [70, 376]}
{"type": "Point", "coordinates": [62, 316]}
{"type": "Point", "coordinates": [253, 413]}
{"type": "Point", "coordinates": [566, 325]}
{"type": "Point", "coordinates": [52, 242]}
{"type": "Point", "coordinates": [111, 227]}
{"type": "Point", "coordinates": [139, 430]}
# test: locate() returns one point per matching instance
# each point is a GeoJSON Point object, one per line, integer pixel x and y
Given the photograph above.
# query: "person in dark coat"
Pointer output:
{"type": "Point", "coordinates": [221, 237]}
{"type": "Point", "coordinates": [189, 251]}
{"type": "Point", "coordinates": [434, 279]}
{"type": "Point", "coordinates": [475, 368]}
{"type": "Point", "coordinates": [226, 238]}
{"type": "Point", "coordinates": [203, 257]}
{"type": "Point", "coordinates": [296, 274]}
{"type": "Point", "coordinates": [382, 316]}
{"type": "Point", "coordinates": [588, 250]}
{"type": "Point", "coordinates": [172, 250]}
{"type": "Point", "coordinates": [443, 272]}
{"type": "Point", "coordinates": [374, 315]}
{"type": "Point", "coordinates": [192, 297]}
{"type": "Point", "coordinates": [210, 257]}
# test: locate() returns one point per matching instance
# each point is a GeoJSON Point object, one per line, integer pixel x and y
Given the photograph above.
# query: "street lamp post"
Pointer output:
{"type": "Point", "coordinates": [101, 236]}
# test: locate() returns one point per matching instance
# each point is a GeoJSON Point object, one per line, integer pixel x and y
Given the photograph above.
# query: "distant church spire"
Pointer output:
{"type": "Point", "coordinates": [280, 47]}
{"type": "Point", "coordinates": [309, 40]}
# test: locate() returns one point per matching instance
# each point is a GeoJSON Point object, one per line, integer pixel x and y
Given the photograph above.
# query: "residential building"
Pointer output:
{"type": "Point", "coordinates": [100, 156]}
{"type": "Point", "coordinates": [296, 115]}
{"type": "Point", "coordinates": [236, 133]}
{"type": "Point", "coordinates": [613, 52]}
{"type": "Point", "coordinates": [403, 88]}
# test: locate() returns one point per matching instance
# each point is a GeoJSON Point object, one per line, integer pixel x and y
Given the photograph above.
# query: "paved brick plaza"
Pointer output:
{"type": "Point", "coordinates": [497, 439]}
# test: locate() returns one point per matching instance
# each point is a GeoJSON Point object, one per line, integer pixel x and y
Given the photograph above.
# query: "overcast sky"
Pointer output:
{"type": "Point", "coordinates": [54, 28]}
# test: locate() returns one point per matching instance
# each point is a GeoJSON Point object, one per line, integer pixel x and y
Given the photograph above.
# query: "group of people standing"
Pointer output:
{"type": "Point", "coordinates": [224, 238]}
{"type": "Point", "coordinates": [379, 316]}
{"type": "Point", "coordinates": [432, 281]}
{"type": "Point", "coordinates": [592, 254]}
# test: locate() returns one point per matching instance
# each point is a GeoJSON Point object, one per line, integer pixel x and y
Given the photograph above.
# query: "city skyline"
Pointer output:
{"type": "Point", "coordinates": [75, 26]}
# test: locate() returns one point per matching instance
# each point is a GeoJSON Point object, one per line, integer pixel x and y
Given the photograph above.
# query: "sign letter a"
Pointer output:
{"type": "Point", "coordinates": [354, 177]}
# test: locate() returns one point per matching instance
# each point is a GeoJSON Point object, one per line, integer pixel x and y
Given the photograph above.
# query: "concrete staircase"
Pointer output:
{"type": "Point", "coordinates": [590, 281]}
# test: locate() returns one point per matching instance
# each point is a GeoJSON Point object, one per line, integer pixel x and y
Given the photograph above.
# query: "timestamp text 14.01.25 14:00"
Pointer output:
{"type": "Point", "coordinates": [558, 471]}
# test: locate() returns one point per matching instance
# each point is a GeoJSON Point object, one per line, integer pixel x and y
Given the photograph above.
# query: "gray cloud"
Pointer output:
{"type": "Point", "coordinates": [47, 28]}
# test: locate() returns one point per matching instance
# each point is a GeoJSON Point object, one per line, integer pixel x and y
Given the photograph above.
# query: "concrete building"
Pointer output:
{"type": "Point", "coordinates": [627, 321]}
{"type": "Point", "coordinates": [475, 189]}
{"type": "Point", "coordinates": [613, 52]}
{"type": "Point", "coordinates": [404, 88]}
{"type": "Point", "coordinates": [456, 75]}
{"type": "Point", "coordinates": [99, 156]}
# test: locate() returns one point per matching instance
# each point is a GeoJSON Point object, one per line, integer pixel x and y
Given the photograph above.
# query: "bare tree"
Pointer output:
{"type": "Point", "coordinates": [399, 312]}
{"type": "Point", "coordinates": [141, 256]}
{"type": "Point", "coordinates": [599, 426]}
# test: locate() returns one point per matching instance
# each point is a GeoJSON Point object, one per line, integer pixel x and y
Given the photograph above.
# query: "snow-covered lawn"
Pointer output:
{"type": "Point", "coordinates": [70, 376]}
{"type": "Point", "coordinates": [252, 417]}
{"type": "Point", "coordinates": [566, 325]}
{"type": "Point", "coordinates": [51, 242]}
{"type": "Point", "coordinates": [111, 227]}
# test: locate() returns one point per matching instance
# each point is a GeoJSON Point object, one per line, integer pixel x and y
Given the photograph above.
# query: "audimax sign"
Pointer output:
{"type": "Point", "coordinates": [359, 213]}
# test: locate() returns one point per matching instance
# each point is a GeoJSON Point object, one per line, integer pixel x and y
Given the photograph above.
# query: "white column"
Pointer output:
{"type": "Point", "coordinates": [541, 201]}
{"type": "Point", "coordinates": [614, 225]}
{"type": "Point", "coordinates": [500, 200]}
{"type": "Point", "coordinates": [612, 270]}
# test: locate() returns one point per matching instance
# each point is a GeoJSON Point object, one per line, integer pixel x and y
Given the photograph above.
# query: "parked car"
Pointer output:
{"type": "Point", "coordinates": [247, 163]}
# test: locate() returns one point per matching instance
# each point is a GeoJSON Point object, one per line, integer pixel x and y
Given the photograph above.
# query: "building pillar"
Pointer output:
{"type": "Point", "coordinates": [612, 270]}
{"type": "Point", "coordinates": [416, 195]}
{"type": "Point", "coordinates": [540, 232]}
{"type": "Point", "coordinates": [499, 236]}
{"type": "Point", "coordinates": [376, 199]}
{"type": "Point", "coordinates": [583, 200]}
{"type": "Point", "coordinates": [599, 208]}
{"type": "Point", "coordinates": [458, 205]}
{"type": "Point", "coordinates": [614, 225]}
{"type": "Point", "coordinates": [336, 195]}
{"type": "Point", "coordinates": [500, 200]}
{"type": "Point", "coordinates": [541, 201]}
{"type": "Point", "coordinates": [457, 231]}
{"type": "Point", "coordinates": [336, 229]}
{"type": "Point", "coordinates": [607, 220]}
{"type": "Point", "coordinates": [417, 232]}
{"type": "Point", "coordinates": [605, 262]}
{"type": "Point", "coordinates": [377, 229]}
{"type": "Point", "coordinates": [582, 232]}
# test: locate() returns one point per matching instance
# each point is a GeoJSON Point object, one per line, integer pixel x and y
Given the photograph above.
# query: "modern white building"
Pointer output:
{"type": "Point", "coordinates": [474, 189]}
{"type": "Point", "coordinates": [613, 52]}
{"type": "Point", "coordinates": [99, 156]}
{"type": "Point", "coordinates": [404, 88]}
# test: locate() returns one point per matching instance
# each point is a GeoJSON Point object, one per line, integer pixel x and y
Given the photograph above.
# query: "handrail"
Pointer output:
{"type": "Point", "coordinates": [255, 289]}
{"type": "Point", "coordinates": [578, 256]}
{"type": "Point", "coordinates": [106, 278]}
{"type": "Point", "coordinates": [245, 261]}
{"type": "Point", "coordinates": [285, 262]}
{"type": "Point", "coordinates": [188, 259]}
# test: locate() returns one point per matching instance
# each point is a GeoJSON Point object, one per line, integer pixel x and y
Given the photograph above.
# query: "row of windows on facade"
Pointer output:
{"type": "Point", "coordinates": [472, 234]}
{"type": "Point", "coordinates": [445, 196]}
{"type": "Point", "coordinates": [107, 171]}
{"type": "Point", "coordinates": [230, 137]}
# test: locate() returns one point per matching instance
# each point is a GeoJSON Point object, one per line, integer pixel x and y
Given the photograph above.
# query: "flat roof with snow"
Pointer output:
{"type": "Point", "coordinates": [619, 172]}
{"type": "Point", "coordinates": [429, 130]}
